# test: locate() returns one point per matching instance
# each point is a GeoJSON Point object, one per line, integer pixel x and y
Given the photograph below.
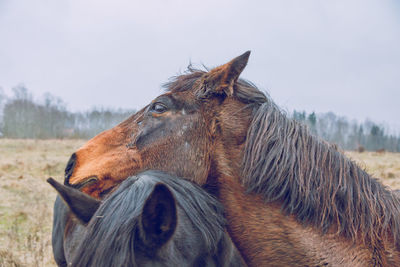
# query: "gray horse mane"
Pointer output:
{"type": "Point", "coordinates": [110, 234]}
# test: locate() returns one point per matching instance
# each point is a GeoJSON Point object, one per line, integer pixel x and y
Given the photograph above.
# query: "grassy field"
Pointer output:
{"type": "Point", "coordinates": [384, 166]}
{"type": "Point", "coordinates": [26, 200]}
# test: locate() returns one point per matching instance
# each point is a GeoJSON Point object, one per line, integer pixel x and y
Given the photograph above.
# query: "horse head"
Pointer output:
{"type": "Point", "coordinates": [196, 130]}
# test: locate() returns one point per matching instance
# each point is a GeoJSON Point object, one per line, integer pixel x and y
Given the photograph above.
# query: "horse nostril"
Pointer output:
{"type": "Point", "coordinates": [69, 169]}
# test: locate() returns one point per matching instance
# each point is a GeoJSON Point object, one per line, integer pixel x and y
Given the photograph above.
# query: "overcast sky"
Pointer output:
{"type": "Point", "coordinates": [339, 55]}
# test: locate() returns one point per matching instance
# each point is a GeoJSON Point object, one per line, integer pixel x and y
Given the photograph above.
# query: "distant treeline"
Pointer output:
{"type": "Point", "coordinates": [349, 135]}
{"type": "Point", "coordinates": [22, 117]}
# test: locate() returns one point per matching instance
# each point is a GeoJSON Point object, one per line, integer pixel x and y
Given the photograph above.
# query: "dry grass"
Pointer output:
{"type": "Point", "coordinates": [385, 166]}
{"type": "Point", "coordinates": [26, 200]}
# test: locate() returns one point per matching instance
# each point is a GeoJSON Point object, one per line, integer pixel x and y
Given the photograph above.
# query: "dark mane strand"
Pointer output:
{"type": "Point", "coordinates": [185, 81]}
{"type": "Point", "coordinates": [314, 181]}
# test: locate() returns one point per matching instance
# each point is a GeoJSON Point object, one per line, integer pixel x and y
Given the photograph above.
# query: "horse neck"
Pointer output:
{"type": "Point", "coordinates": [262, 233]}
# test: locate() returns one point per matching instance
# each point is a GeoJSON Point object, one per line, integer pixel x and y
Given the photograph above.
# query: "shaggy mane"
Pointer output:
{"type": "Point", "coordinates": [314, 181]}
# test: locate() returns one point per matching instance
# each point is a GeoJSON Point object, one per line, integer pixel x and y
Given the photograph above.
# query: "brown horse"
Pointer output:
{"type": "Point", "coordinates": [290, 198]}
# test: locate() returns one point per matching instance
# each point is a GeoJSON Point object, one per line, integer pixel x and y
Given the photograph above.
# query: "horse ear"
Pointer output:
{"type": "Point", "coordinates": [221, 80]}
{"type": "Point", "coordinates": [81, 205]}
{"type": "Point", "coordinates": [158, 219]}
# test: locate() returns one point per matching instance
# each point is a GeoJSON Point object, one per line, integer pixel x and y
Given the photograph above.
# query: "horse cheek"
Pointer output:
{"type": "Point", "coordinates": [192, 160]}
{"type": "Point", "coordinates": [191, 148]}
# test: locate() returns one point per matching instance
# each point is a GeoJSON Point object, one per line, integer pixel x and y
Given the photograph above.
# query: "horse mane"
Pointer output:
{"type": "Point", "coordinates": [314, 181]}
{"type": "Point", "coordinates": [109, 239]}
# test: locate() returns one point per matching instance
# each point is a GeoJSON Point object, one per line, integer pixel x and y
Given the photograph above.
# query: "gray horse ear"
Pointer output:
{"type": "Point", "coordinates": [221, 80]}
{"type": "Point", "coordinates": [81, 205]}
{"type": "Point", "coordinates": [158, 218]}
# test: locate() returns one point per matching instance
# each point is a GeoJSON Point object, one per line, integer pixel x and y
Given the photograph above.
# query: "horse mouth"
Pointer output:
{"type": "Point", "coordinates": [89, 181]}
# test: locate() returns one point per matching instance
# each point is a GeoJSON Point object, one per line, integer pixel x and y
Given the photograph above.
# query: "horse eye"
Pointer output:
{"type": "Point", "coordinates": [159, 108]}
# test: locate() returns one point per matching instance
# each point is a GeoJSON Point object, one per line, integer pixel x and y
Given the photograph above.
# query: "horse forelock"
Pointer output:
{"type": "Point", "coordinates": [245, 91]}
{"type": "Point", "coordinates": [185, 81]}
{"type": "Point", "coordinates": [315, 182]}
